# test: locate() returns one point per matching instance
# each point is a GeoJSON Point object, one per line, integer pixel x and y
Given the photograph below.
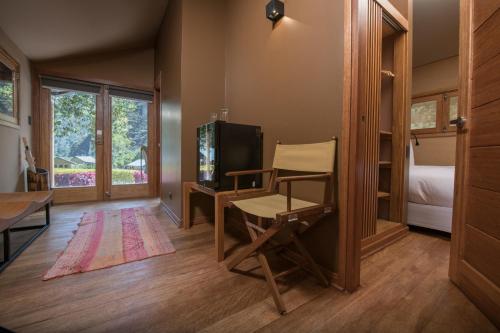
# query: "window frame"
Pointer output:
{"type": "Point", "coordinates": [443, 126]}
{"type": "Point", "coordinates": [446, 112]}
{"type": "Point", "coordinates": [13, 65]}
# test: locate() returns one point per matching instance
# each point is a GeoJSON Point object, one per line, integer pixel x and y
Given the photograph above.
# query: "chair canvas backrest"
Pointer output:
{"type": "Point", "coordinates": [314, 157]}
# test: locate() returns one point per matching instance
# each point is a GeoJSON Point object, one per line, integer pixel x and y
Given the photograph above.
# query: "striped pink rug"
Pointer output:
{"type": "Point", "coordinates": [110, 238]}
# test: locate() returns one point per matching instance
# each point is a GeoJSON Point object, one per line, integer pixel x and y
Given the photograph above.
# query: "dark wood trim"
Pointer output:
{"type": "Point", "coordinates": [435, 135]}
{"type": "Point", "coordinates": [389, 8]}
{"type": "Point", "coordinates": [349, 231]}
{"type": "Point", "coordinates": [35, 114]}
{"type": "Point", "coordinates": [381, 240]}
{"type": "Point", "coordinates": [434, 92]}
{"type": "Point", "coordinates": [248, 172]}
{"type": "Point", "coordinates": [358, 86]}
{"type": "Point", "coordinates": [401, 126]}
{"type": "Point", "coordinates": [462, 151]}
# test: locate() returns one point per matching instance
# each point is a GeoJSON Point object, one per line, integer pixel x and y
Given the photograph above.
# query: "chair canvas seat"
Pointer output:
{"type": "Point", "coordinates": [270, 205]}
{"type": "Point", "coordinates": [317, 160]}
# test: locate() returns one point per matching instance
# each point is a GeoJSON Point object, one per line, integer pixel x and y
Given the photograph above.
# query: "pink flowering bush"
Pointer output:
{"type": "Point", "coordinates": [75, 179]}
{"type": "Point", "coordinates": [140, 178]}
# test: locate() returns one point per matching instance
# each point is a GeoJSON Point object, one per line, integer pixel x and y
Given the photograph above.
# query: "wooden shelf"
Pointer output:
{"type": "Point", "coordinates": [385, 164]}
{"type": "Point", "coordinates": [383, 195]}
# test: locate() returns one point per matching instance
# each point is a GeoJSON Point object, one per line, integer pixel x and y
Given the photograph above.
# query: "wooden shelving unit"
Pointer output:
{"type": "Point", "coordinates": [385, 121]}
{"type": "Point", "coordinates": [385, 126]}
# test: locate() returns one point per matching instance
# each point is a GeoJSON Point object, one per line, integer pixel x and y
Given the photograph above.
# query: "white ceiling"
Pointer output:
{"type": "Point", "coordinates": [47, 29]}
{"type": "Point", "coordinates": [435, 28]}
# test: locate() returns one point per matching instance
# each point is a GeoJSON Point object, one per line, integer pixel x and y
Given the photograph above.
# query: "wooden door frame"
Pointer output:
{"type": "Point", "coordinates": [159, 129]}
{"type": "Point", "coordinates": [41, 134]}
{"type": "Point", "coordinates": [462, 165]}
{"type": "Point", "coordinates": [350, 188]}
{"type": "Point", "coordinates": [349, 244]}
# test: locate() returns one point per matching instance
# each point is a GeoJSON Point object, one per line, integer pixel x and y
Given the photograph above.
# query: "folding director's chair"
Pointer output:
{"type": "Point", "coordinates": [276, 213]}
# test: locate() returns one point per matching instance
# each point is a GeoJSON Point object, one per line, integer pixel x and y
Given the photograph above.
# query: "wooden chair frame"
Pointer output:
{"type": "Point", "coordinates": [292, 222]}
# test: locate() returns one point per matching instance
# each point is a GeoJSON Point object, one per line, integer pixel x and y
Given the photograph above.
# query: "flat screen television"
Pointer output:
{"type": "Point", "coordinates": [224, 147]}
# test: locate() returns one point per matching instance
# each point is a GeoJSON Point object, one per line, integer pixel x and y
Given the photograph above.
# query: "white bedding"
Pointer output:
{"type": "Point", "coordinates": [428, 216]}
{"type": "Point", "coordinates": [431, 185]}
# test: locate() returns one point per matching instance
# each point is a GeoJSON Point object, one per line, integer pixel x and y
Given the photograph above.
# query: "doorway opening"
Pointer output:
{"type": "Point", "coordinates": [433, 112]}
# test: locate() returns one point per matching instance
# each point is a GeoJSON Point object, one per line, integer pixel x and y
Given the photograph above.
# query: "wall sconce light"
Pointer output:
{"type": "Point", "coordinates": [416, 139]}
{"type": "Point", "coordinates": [275, 10]}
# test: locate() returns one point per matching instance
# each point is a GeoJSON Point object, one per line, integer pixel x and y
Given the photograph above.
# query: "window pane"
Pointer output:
{"type": "Point", "coordinates": [129, 141]}
{"type": "Point", "coordinates": [453, 108]}
{"type": "Point", "coordinates": [6, 91]}
{"type": "Point", "coordinates": [73, 145]}
{"type": "Point", "coordinates": [423, 115]}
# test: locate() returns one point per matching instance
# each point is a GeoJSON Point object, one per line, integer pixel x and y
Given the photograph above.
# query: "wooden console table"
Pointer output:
{"type": "Point", "coordinates": [221, 201]}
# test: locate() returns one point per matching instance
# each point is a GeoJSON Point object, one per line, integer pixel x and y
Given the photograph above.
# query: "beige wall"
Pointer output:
{"type": "Point", "coordinates": [133, 68]}
{"type": "Point", "coordinates": [190, 56]}
{"type": "Point", "coordinates": [435, 151]}
{"type": "Point", "coordinates": [289, 81]}
{"type": "Point", "coordinates": [435, 77]}
{"type": "Point", "coordinates": [168, 66]}
{"type": "Point", "coordinates": [11, 152]}
{"type": "Point", "coordinates": [203, 61]}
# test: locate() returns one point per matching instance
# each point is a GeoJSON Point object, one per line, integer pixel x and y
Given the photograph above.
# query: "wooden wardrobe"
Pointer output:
{"type": "Point", "coordinates": [383, 131]}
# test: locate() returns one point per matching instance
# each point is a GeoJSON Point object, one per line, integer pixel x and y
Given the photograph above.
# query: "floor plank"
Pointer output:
{"type": "Point", "coordinates": [189, 291]}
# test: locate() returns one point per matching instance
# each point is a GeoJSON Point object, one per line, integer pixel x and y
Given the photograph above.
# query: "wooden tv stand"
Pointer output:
{"type": "Point", "coordinates": [221, 201]}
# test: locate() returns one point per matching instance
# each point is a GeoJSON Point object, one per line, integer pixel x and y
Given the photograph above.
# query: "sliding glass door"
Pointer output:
{"type": "Point", "coordinates": [99, 141]}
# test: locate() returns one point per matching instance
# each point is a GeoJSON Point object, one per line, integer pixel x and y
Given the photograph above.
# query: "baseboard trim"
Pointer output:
{"type": "Point", "coordinates": [378, 242]}
{"type": "Point", "coordinates": [177, 220]}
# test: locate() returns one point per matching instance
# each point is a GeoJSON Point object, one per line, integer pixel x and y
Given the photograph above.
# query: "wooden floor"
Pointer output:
{"type": "Point", "coordinates": [188, 291]}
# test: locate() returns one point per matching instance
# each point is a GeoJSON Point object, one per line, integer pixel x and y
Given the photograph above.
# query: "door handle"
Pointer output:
{"type": "Point", "coordinates": [459, 122]}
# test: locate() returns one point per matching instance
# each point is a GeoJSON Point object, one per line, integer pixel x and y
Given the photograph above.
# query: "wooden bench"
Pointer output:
{"type": "Point", "coordinates": [13, 208]}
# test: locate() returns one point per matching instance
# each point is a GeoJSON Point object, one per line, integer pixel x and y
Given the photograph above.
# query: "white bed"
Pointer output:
{"type": "Point", "coordinates": [430, 196]}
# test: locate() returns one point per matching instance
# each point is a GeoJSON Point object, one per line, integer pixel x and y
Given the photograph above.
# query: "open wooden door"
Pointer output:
{"type": "Point", "coordinates": [475, 252]}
